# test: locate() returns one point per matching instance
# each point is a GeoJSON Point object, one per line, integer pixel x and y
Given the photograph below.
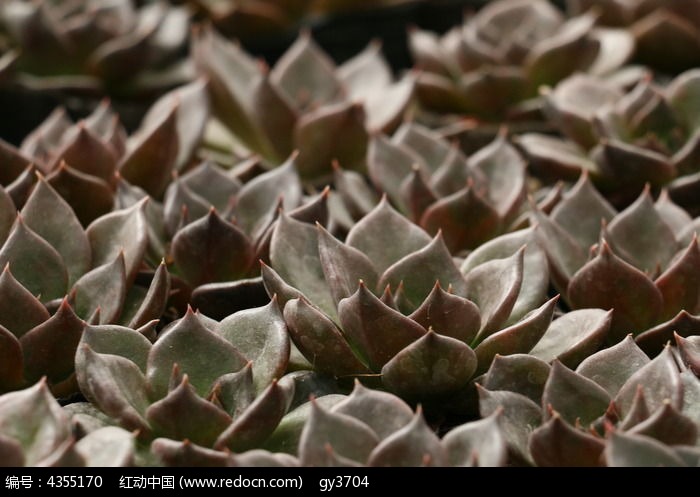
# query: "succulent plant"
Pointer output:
{"type": "Point", "coordinates": [305, 102]}
{"type": "Point", "coordinates": [623, 139]}
{"type": "Point", "coordinates": [491, 66]}
{"type": "Point", "coordinates": [666, 33]}
{"type": "Point", "coordinates": [98, 46]}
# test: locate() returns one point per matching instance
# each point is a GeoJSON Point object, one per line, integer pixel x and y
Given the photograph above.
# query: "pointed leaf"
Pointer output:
{"type": "Point", "coordinates": [234, 392]}
{"type": "Point", "coordinates": [417, 195]}
{"type": "Point", "coordinates": [35, 263]}
{"type": "Point", "coordinates": [519, 373]}
{"type": "Point", "coordinates": [200, 353]}
{"type": "Point", "coordinates": [11, 362]}
{"type": "Point", "coordinates": [181, 206]}
{"type": "Point", "coordinates": [448, 315]}
{"type": "Point", "coordinates": [564, 254]}
{"type": "Point", "coordinates": [413, 445]}
{"type": "Point", "coordinates": [573, 396]}
{"type": "Point", "coordinates": [117, 340]}
{"type": "Point", "coordinates": [680, 283]}
{"type": "Point", "coordinates": [480, 442]}
{"type": "Point", "coordinates": [389, 164]}
{"type": "Point", "coordinates": [634, 451]}
{"type": "Point", "coordinates": [89, 196]}
{"type": "Point", "coordinates": [84, 151]}
{"type": "Point", "coordinates": [557, 444]}
{"type": "Point", "coordinates": [154, 302]}
{"type": "Point", "coordinates": [107, 447]}
{"type": "Point", "coordinates": [210, 182]}
{"type": "Point", "coordinates": [668, 426]}
{"type": "Point", "coordinates": [20, 311]}
{"type": "Point", "coordinates": [377, 330]}
{"type": "Point", "coordinates": [574, 336]}
{"type": "Point", "coordinates": [103, 288]}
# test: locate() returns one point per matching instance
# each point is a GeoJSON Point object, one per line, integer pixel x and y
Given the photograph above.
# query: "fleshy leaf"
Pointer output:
{"type": "Point", "coordinates": [680, 283]}
{"type": "Point", "coordinates": [123, 230]}
{"type": "Point", "coordinates": [49, 348]}
{"type": "Point", "coordinates": [103, 288]}
{"type": "Point", "coordinates": [377, 330]}
{"type": "Point", "coordinates": [413, 445]}
{"type": "Point", "coordinates": [11, 453]}
{"type": "Point", "coordinates": [50, 217]}
{"type": "Point", "coordinates": [120, 341]}
{"type": "Point", "coordinates": [420, 270]}
{"type": "Point", "coordinates": [494, 287]}
{"type": "Point", "coordinates": [257, 422]}
{"type": "Point", "coordinates": [89, 196]}
{"type": "Point", "coordinates": [107, 447]}
{"type": "Point", "coordinates": [689, 349]}
{"type": "Point", "coordinates": [115, 385]}
{"type": "Point", "coordinates": [574, 336]}
{"type": "Point", "coordinates": [448, 315]}
{"type": "Point", "coordinates": [294, 255]}
{"type": "Point", "coordinates": [385, 236]}
{"type": "Point", "coordinates": [184, 415]}
{"type": "Point", "coordinates": [557, 444]}
{"type": "Point", "coordinates": [200, 353]}
{"type": "Point", "coordinates": [518, 338]}
{"type": "Point", "coordinates": [20, 311]}
{"type": "Point", "coordinates": [519, 373]}
{"type": "Point", "coordinates": [612, 367]}
{"type": "Point", "coordinates": [261, 336]}
{"type": "Point", "coordinates": [573, 396]}
{"type": "Point", "coordinates": [319, 339]}
{"type": "Point", "coordinates": [35, 263]}
{"type": "Point", "coordinates": [635, 451]}
{"type": "Point", "coordinates": [154, 302]}
{"type": "Point", "coordinates": [174, 454]}
{"type": "Point", "coordinates": [84, 151]}
{"type": "Point", "coordinates": [211, 182]}
{"type": "Point", "coordinates": [433, 365]}
{"type": "Point", "coordinates": [33, 418]}
{"type": "Point", "coordinates": [211, 250]}
{"type": "Point", "coordinates": [181, 206]}
{"type": "Point", "coordinates": [275, 285]}
{"type": "Point", "coordinates": [668, 426]}
{"type": "Point", "coordinates": [343, 266]}
{"type": "Point", "coordinates": [11, 362]}
{"type": "Point", "coordinates": [673, 215]}
{"type": "Point", "coordinates": [8, 213]}
{"type": "Point", "coordinates": [608, 282]}
{"type": "Point", "coordinates": [417, 195]}
{"type": "Point", "coordinates": [660, 380]}
{"type": "Point", "coordinates": [390, 164]}
{"type": "Point", "coordinates": [477, 443]}
{"type": "Point", "coordinates": [234, 392]}
{"type": "Point", "coordinates": [465, 219]}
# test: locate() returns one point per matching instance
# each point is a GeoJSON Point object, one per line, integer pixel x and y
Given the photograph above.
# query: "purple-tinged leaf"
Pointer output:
{"type": "Point", "coordinates": [641, 236]}
{"type": "Point", "coordinates": [466, 220]}
{"type": "Point", "coordinates": [124, 231]}
{"type": "Point", "coordinates": [314, 209]}
{"type": "Point", "coordinates": [275, 285]}
{"type": "Point", "coordinates": [433, 365]}
{"type": "Point", "coordinates": [181, 205]}
{"type": "Point", "coordinates": [449, 177]}
{"type": "Point", "coordinates": [518, 338]}
{"type": "Point", "coordinates": [185, 454]}
{"type": "Point", "coordinates": [107, 447]}
{"type": "Point", "coordinates": [8, 214]}
{"type": "Point", "coordinates": [358, 197]}
{"type": "Point", "coordinates": [115, 385]}
{"type": "Point", "coordinates": [653, 340]}
{"type": "Point", "coordinates": [689, 349]}
{"type": "Point", "coordinates": [632, 166]}
{"type": "Point", "coordinates": [557, 444]}
{"type": "Point", "coordinates": [478, 443]}
{"type": "Point", "coordinates": [259, 334]}
{"type": "Point", "coordinates": [35, 263]}
{"type": "Point", "coordinates": [49, 348]}
{"type": "Point", "coordinates": [634, 451]}
{"type": "Point", "coordinates": [674, 216]}
{"type": "Point", "coordinates": [668, 426]}
{"type": "Point", "coordinates": [11, 453]}
{"type": "Point", "coordinates": [684, 94]}
{"type": "Point", "coordinates": [343, 266]}
{"type": "Point", "coordinates": [413, 445]}
{"type": "Point", "coordinates": [20, 311]}
{"type": "Point", "coordinates": [638, 411]}
{"type": "Point", "coordinates": [519, 417]}
{"type": "Point", "coordinates": [385, 236]}
{"type": "Point", "coordinates": [119, 341]}
{"type": "Point", "coordinates": [691, 396]}
{"type": "Point", "coordinates": [257, 422]}
{"type": "Point", "coordinates": [420, 270]}
{"type": "Point", "coordinates": [218, 300]}
{"type": "Point", "coordinates": [103, 288]}
{"type": "Point", "coordinates": [199, 352]}
{"type": "Point", "coordinates": [154, 302]}
{"type": "Point", "coordinates": [416, 195]}
{"type": "Point", "coordinates": [211, 182]}
{"type": "Point", "coordinates": [680, 283]}
{"type": "Point", "coordinates": [211, 250]}
{"type": "Point", "coordinates": [11, 362]}
{"type": "Point", "coordinates": [494, 287]}
{"type": "Point", "coordinates": [660, 380]}
{"type": "Point", "coordinates": [89, 196]}
{"type": "Point", "coordinates": [448, 315]}
{"type": "Point", "coordinates": [382, 412]}
{"type": "Point", "coordinates": [364, 73]}
{"type": "Point", "coordinates": [573, 396]}
{"type": "Point", "coordinates": [33, 418]}
{"type": "Point", "coordinates": [574, 336]}
{"type": "Point", "coordinates": [612, 367]}
{"type": "Point", "coordinates": [389, 164]}
{"type": "Point", "coordinates": [258, 458]}
{"type": "Point", "coordinates": [294, 255]}
{"type": "Point", "coordinates": [234, 392]}
{"type": "Point", "coordinates": [151, 157]}
{"type": "Point", "coordinates": [182, 414]}
{"type": "Point", "coordinates": [320, 340]}
{"type": "Point", "coordinates": [519, 373]}
{"type": "Point", "coordinates": [386, 107]}
{"type": "Point", "coordinates": [428, 144]}
{"type": "Point", "coordinates": [348, 437]}
{"type": "Point", "coordinates": [14, 163]}
{"type": "Point", "coordinates": [84, 151]}
{"type": "Point", "coordinates": [377, 330]}
{"type": "Point", "coordinates": [50, 217]}
{"type": "Point", "coordinates": [581, 212]}
{"type": "Point", "coordinates": [608, 282]}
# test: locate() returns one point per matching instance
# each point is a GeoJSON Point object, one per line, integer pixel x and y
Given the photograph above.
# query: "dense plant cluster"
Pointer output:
{"type": "Point", "coordinates": [488, 260]}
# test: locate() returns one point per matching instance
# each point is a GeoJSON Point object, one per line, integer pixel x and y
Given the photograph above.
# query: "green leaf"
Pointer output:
{"type": "Point", "coordinates": [385, 236]}
{"type": "Point", "coordinates": [433, 365]}
{"type": "Point", "coordinates": [199, 352]}
{"type": "Point", "coordinates": [377, 330]}
{"type": "Point", "coordinates": [449, 315]}
{"type": "Point", "coordinates": [573, 396]}
{"type": "Point", "coordinates": [478, 443]}
{"type": "Point", "coordinates": [20, 311]}
{"type": "Point", "coordinates": [413, 445]}
{"type": "Point", "coordinates": [182, 415]}
{"type": "Point", "coordinates": [35, 263]}
{"type": "Point", "coordinates": [557, 444]}
{"type": "Point", "coordinates": [574, 336]}
{"type": "Point", "coordinates": [120, 231]}
{"type": "Point", "coordinates": [519, 373]}
{"type": "Point", "coordinates": [103, 289]}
